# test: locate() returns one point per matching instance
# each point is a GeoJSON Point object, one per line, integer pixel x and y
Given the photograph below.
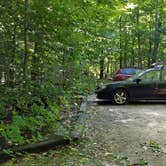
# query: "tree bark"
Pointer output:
{"type": "Point", "coordinates": [139, 41]}
{"type": "Point", "coordinates": [101, 65]}
{"type": "Point", "coordinates": [12, 62]}
{"type": "Point", "coordinates": [156, 35]}
{"type": "Point", "coordinates": [132, 51]}
{"type": "Point", "coordinates": [120, 41]}
{"type": "Point", "coordinates": [150, 52]}
{"type": "Point", "coordinates": [25, 63]}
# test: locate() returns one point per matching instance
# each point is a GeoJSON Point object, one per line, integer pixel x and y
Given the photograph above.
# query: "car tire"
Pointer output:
{"type": "Point", "coordinates": [120, 97]}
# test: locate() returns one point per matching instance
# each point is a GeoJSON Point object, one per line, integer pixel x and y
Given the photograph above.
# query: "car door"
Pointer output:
{"type": "Point", "coordinates": [147, 86]}
{"type": "Point", "coordinates": [161, 94]}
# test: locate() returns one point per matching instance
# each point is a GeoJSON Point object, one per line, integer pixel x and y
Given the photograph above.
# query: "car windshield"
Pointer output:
{"type": "Point", "coordinates": [136, 76]}
{"type": "Point", "coordinates": [129, 71]}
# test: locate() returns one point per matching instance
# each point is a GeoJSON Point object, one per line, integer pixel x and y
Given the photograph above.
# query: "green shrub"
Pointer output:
{"type": "Point", "coordinates": [23, 128]}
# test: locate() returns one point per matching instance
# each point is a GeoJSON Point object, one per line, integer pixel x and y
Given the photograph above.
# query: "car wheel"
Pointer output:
{"type": "Point", "coordinates": [120, 97]}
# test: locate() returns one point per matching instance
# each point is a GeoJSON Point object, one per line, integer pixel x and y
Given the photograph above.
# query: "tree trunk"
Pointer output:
{"type": "Point", "coordinates": [139, 41]}
{"type": "Point", "coordinates": [156, 35]}
{"type": "Point", "coordinates": [101, 65]}
{"type": "Point", "coordinates": [150, 52]}
{"type": "Point", "coordinates": [12, 62]}
{"type": "Point", "coordinates": [125, 63]}
{"type": "Point", "coordinates": [25, 64]}
{"type": "Point", "coordinates": [63, 69]}
{"type": "Point", "coordinates": [132, 62]}
{"type": "Point", "coordinates": [132, 51]}
{"type": "Point", "coordinates": [120, 40]}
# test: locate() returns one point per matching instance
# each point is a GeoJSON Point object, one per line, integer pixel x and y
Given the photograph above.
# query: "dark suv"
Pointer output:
{"type": "Point", "coordinates": [147, 85]}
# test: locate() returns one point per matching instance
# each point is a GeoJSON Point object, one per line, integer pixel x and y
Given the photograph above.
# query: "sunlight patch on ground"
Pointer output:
{"type": "Point", "coordinates": [153, 124]}
{"type": "Point", "coordinates": [124, 120]}
{"type": "Point", "coordinates": [153, 113]}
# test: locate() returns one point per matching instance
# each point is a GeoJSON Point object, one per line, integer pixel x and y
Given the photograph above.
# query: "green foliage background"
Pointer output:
{"type": "Point", "coordinates": [53, 50]}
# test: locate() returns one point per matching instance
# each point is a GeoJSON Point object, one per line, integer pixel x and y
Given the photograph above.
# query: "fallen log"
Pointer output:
{"type": "Point", "coordinates": [42, 146]}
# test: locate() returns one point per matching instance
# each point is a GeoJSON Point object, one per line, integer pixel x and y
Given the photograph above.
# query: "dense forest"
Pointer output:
{"type": "Point", "coordinates": [53, 51]}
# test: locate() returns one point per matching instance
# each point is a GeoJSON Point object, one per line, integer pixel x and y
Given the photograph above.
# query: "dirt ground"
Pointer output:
{"type": "Point", "coordinates": [136, 130]}
{"type": "Point", "coordinates": [127, 135]}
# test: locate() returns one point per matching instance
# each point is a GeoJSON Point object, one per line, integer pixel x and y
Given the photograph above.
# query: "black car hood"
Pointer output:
{"type": "Point", "coordinates": [113, 85]}
{"type": "Point", "coordinates": [119, 82]}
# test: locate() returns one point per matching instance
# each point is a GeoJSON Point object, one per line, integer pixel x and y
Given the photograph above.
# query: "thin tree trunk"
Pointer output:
{"type": "Point", "coordinates": [157, 34]}
{"type": "Point", "coordinates": [12, 62]}
{"type": "Point", "coordinates": [132, 51]}
{"type": "Point", "coordinates": [34, 70]}
{"type": "Point", "coordinates": [150, 52]}
{"type": "Point", "coordinates": [150, 42]}
{"type": "Point", "coordinates": [120, 40]}
{"type": "Point", "coordinates": [108, 69]}
{"type": "Point", "coordinates": [63, 70]}
{"type": "Point", "coordinates": [132, 62]}
{"type": "Point", "coordinates": [101, 65]}
{"type": "Point", "coordinates": [139, 41]}
{"type": "Point", "coordinates": [25, 64]}
{"type": "Point", "coordinates": [125, 63]}
{"type": "Point", "coordinates": [125, 59]}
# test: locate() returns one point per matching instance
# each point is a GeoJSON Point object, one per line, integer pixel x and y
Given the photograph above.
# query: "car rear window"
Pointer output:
{"type": "Point", "coordinates": [129, 71]}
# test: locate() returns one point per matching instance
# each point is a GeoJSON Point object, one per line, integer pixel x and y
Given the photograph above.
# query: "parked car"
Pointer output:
{"type": "Point", "coordinates": [146, 85]}
{"type": "Point", "coordinates": [125, 73]}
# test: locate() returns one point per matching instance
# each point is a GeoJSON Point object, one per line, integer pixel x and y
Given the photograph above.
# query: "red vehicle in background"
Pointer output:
{"type": "Point", "coordinates": [125, 73]}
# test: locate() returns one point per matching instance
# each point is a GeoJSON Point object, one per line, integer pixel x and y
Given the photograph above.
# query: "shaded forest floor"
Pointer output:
{"type": "Point", "coordinates": [114, 135]}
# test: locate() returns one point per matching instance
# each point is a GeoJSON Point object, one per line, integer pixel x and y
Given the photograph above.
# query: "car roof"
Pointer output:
{"type": "Point", "coordinates": [161, 65]}
{"type": "Point", "coordinates": [152, 69]}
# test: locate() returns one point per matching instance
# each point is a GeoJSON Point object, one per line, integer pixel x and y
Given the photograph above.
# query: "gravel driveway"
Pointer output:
{"type": "Point", "coordinates": [137, 131]}
{"type": "Point", "coordinates": [127, 135]}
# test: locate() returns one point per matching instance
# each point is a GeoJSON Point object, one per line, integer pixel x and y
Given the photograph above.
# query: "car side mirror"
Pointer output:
{"type": "Point", "coordinates": [138, 80]}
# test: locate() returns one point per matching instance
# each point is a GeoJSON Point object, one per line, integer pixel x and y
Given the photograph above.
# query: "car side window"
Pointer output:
{"type": "Point", "coordinates": [153, 75]}
{"type": "Point", "coordinates": [163, 75]}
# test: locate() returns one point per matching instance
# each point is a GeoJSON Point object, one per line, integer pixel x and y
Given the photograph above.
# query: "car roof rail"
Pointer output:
{"type": "Point", "coordinates": [159, 65]}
